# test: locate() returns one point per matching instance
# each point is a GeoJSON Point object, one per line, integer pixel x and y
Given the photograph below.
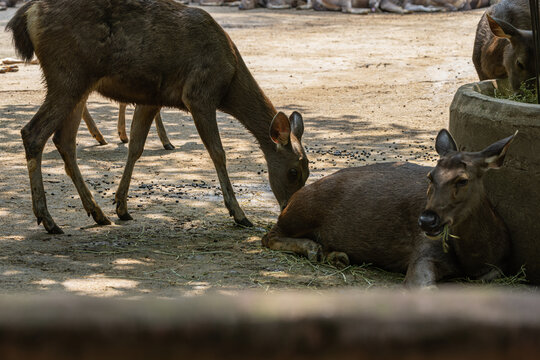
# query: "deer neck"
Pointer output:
{"type": "Point", "coordinates": [482, 234]}
{"type": "Point", "coordinates": [247, 102]}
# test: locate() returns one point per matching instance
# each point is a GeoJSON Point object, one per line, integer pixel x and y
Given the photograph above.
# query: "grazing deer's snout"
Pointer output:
{"type": "Point", "coordinates": [430, 222]}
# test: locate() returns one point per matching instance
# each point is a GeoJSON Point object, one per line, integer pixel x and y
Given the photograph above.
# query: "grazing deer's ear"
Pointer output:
{"type": "Point", "coordinates": [501, 28]}
{"type": "Point", "coordinates": [445, 143]}
{"type": "Point", "coordinates": [297, 124]}
{"type": "Point", "coordinates": [280, 129]}
{"type": "Point", "coordinates": [493, 156]}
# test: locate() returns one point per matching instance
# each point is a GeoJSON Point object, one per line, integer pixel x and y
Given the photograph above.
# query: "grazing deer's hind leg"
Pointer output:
{"type": "Point", "coordinates": [121, 126]}
{"type": "Point", "coordinates": [35, 134]}
{"type": "Point", "coordinates": [301, 246]}
{"type": "Point", "coordinates": [142, 119]}
{"type": "Point", "coordinates": [92, 128]}
{"type": "Point", "coordinates": [205, 121]}
{"type": "Point", "coordinates": [65, 141]}
{"type": "Point", "coordinates": [162, 133]}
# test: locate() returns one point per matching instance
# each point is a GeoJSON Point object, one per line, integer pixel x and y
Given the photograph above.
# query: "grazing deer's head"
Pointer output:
{"type": "Point", "coordinates": [519, 56]}
{"type": "Point", "coordinates": [288, 170]}
{"type": "Point", "coordinates": [456, 189]}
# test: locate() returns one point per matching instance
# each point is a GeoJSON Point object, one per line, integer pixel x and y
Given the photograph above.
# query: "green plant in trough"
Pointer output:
{"type": "Point", "coordinates": [526, 93]}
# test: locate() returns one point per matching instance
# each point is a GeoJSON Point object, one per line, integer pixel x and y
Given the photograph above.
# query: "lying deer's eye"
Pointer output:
{"type": "Point", "coordinates": [520, 65]}
{"type": "Point", "coordinates": [293, 174]}
{"type": "Point", "coordinates": [462, 182]}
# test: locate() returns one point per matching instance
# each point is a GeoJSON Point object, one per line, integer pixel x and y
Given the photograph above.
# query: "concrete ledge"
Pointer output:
{"type": "Point", "coordinates": [477, 120]}
{"type": "Point", "coordinates": [449, 324]}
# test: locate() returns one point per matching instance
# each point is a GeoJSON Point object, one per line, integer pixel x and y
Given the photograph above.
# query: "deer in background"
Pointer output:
{"type": "Point", "coordinates": [96, 134]}
{"type": "Point", "coordinates": [503, 46]}
{"type": "Point", "coordinates": [121, 126]}
{"type": "Point", "coordinates": [153, 53]}
{"type": "Point", "coordinates": [370, 214]}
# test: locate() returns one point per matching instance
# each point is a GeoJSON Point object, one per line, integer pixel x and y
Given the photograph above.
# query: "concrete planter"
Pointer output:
{"type": "Point", "coordinates": [477, 119]}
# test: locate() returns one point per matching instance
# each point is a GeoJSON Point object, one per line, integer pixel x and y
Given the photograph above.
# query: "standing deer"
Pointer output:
{"type": "Point", "coordinates": [96, 134]}
{"type": "Point", "coordinates": [153, 53]}
{"type": "Point", "coordinates": [371, 214]}
{"type": "Point", "coordinates": [503, 46]}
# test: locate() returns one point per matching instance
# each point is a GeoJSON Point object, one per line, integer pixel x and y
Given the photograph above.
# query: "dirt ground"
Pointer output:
{"type": "Point", "coordinates": [371, 88]}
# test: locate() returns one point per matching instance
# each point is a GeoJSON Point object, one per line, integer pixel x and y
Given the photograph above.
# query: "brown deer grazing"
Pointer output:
{"type": "Point", "coordinates": [94, 131]}
{"type": "Point", "coordinates": [153, 53]}
{"type": "Point", "coordinates": [503, 46]}
{"type": "Point", "coordinates": [371, 214]}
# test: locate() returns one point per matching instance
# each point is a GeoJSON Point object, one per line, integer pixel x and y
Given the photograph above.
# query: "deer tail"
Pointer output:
{"type": "Point", "coordinates": [21, 38]}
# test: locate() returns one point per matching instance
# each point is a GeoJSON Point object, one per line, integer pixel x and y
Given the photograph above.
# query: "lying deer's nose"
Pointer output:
{"type": "Point", "coordinates": [429, 221]}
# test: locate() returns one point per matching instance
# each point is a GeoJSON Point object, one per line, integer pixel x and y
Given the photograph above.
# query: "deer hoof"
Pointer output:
{"type": "Point", "coordinates": [55, 230]}
{"type": "Point", "coordinates": [99, 217]}
{"type": "Point", "coordinates": [125, 216]}
{"type": "Point", "coordinates": [168, 146]}
{"type": "Point", "coordinates": [338, 259]}
{"type": "Point", "coordinates": [244, 222]}
{"type": "Point", "coordinates": [315, 253]}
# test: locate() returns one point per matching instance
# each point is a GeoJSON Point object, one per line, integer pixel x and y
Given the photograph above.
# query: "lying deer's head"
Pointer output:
{"type": "Point", "coordinates": [288, 165]}
{"type": "Point", "coordinates": [519, 56]}
{"type": "Point", "coordinates": [456, 189]}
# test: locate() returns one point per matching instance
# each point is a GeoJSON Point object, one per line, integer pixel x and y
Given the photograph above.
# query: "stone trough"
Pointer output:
{"type": "Point", "coordinates": [477, 119]}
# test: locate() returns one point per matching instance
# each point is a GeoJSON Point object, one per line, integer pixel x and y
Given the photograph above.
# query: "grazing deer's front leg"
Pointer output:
{"type": "Point", "coordinates": [65, 141]}
{"type": "Point", "coordinates": [142, 119]}
{"type": "Point", "coordinates": [162, 133]}
{"type": "Point", "coordinates": [92, 128]}
{"type": "Point", "coordinates": [205, 121]}
{"type": "Point", "coordinates": [301, 246]}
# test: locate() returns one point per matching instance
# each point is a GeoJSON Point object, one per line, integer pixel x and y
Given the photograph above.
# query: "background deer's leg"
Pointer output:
{"type": "Point", "coordinates": [389, 6]}
{"type": "Point", "coordinates": [121, 126]}
{"type": "Point", "coordinates": [142, 119]}
{"type": "Point", "coordinates": [162, 133]}
{"type": "Point", "coordinates": [92, 128]}
{"type": "Point", "coordinates": [65, 141]}
{"type": "Point", "coordinates": [205, 121]}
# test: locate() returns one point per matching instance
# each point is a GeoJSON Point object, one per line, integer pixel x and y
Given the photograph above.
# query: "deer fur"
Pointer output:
{"type": "Point", "coordinates": [503, 45]}
{"type": "Point", "coordinates": [371, 214]}
{"type": "Point", "coordinates": [153, 53]}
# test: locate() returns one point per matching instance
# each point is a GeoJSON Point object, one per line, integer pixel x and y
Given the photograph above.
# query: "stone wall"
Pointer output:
{"type": "Point", "coordinates": [477, 120]}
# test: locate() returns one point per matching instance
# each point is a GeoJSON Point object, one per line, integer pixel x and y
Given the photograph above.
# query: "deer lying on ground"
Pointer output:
{"type": "Point", "coordinates": [217, 2]}
{"type": "Point", "coordinates": [503, 47]}
{"type": "Point", "coordinates": [366, 6]}
{"type": "Point", "coordinates": [409, 6]}
{"type": "Point", "coordinates": [370, 214]}
{"type": "Point", "coordinates": [271, 4]}
{"type": "Point", "coordinates": [153, 53]}
{"type": "Point", "coordinates": [94, 131]}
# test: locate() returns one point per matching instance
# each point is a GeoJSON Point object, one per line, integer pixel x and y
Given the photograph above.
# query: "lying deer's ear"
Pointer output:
{"type": "Point", "coordinates": [280, 129]}
{"type": "Point", "coordinates": [501, 28]}
{"type": "Point", "coordinates": [493, 156]}
{"type": "Point", "coordinates": [297, 124]}
{"type": "Point", "coordinates": [445, 143]}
